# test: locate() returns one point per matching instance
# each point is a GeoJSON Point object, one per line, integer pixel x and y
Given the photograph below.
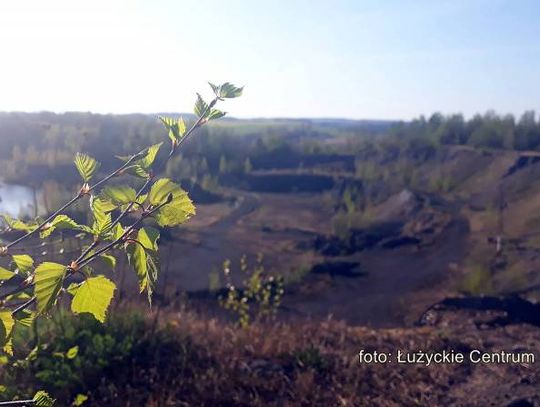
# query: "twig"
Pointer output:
{"type": "Point", "coordinates": [78, 196]}
{"type": "Point", "coordinates": [17, 402]}
{"type": "Point", "coordinates": [82, 261]}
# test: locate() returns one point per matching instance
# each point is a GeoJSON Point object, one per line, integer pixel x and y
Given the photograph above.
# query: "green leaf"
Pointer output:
{"type": "Point", "coordinates": [94, 296]}
{"type": "Point", "coordinates": [102, 220]}
{"type": "Point", "coordinates": [140, 200]}
{"type": "Point", "coordinates": [60, 222]}
{"type": "Point", "coordinates": [215, 88]}
{"type": "Point", "coordinates": [86, 165]}
{"type": "Point", "coordinates": [109, 259]}
{"type": "Point", "coordinates": [79, 400]}
{"type": "Point", "coordinates": [137, 170]}
{"type": "Point", "coordinates": [147, 161]}
{"type": "Point", "coordinates": [72, 288]}
{"type": "Point", "coordinates": [17, 224]}
{"type": "Point", "coordinates": [228, 90]}
{"type": "Point", "coordinates": [119, 194]}
{"type": "Point", "coordinates": [117, 232]}
{"type": "Point", "coordinates": [177, 210]}
{"type": "Point", "coordinates": [72, 352]}
{"type": "Point", "coordinates": [201, 107]}
{"type": "Point", "coordinates": [102, 204]}
{"type": "Point", "coordinates": [42, 399]}
{"type": "Point", "coordinates": [8, 347]}
{"type": "Point", "coordinates": [145, 265]}
{"type": "Point", "coordinates": [137, 258]}
{"type": "Point", "coordinates": [6, 326]}
{"type": "Point", "coordinates": [152, 262]}
{"type": "Point", "coordinates": [23, 262]}
{"type": "Point", "coordinates": [175, 127]}
{"type": "Point", "coordinates": [25, 318]}
{"type": "Point", "coordinates": [216, 114]}
{"type": "Point", "coordinates": [48, 281]}
{"type": "Point", "coordinates": [148, 237]}
{"type": "Point", "coordinates": [161, 189]}
{"type": "Point", "coordinates": [130, 157]}
{"type": "Point", "coordinates": [5, 274]}
{"type": "Point", "coordinates": [22, 296]}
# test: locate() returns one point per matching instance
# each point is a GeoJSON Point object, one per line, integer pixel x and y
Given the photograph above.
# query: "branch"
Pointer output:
{"type": "Point", "coordinates": [149, 181]}
{"type": "Point", "coordinates": [81, 261]}
{"type": "Point", "coordinates": [24, 305]}
{"type": "Point", "coordinates": [79, 195]}
{"type": "Point", "coordinates": [17, 403]}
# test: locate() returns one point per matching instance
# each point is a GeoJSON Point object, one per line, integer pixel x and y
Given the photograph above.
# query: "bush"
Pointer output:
{"type": "Point", "coordinates": [125, 357]}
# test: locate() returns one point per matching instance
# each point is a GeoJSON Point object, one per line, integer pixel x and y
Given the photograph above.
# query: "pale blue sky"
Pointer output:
{"type": "Point", "coordinates": [393, 59]}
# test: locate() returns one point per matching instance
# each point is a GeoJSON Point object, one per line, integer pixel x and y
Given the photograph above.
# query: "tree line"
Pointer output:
{"type": "Point", "coordinates": [489, 130]}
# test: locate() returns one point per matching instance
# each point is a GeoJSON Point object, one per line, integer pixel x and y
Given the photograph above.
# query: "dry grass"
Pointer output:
{"type": "Point", "coordinates": [189, 360]}
{"type": "Point", "coordinates": [308, 364]}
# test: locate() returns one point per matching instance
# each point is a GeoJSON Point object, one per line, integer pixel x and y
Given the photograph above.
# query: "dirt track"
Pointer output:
{"type": "Point", "coordinates": [379, 295]}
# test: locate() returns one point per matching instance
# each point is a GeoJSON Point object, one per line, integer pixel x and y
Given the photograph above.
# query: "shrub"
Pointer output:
{"type": "Point", "coordinates": [259, 295]}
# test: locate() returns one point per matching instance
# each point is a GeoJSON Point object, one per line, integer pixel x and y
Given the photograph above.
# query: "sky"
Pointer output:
{"type": "Point", "coordinates": [373, 59]}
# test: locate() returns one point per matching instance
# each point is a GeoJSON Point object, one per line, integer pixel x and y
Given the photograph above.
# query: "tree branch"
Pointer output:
{"type": "Point", "coordinates": [79, 195]}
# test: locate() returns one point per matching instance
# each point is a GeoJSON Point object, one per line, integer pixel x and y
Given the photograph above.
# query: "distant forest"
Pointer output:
{"type": "Point", "coordinates": [39, 147]}
{"type": "Point", "coordinates": [489, 130]}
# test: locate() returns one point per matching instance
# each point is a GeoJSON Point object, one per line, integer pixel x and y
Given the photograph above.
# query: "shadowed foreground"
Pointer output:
{"type": "Point", "coordinates": [190, 360]}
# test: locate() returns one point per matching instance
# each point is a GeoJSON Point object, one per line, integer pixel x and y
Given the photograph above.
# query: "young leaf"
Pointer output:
{"type": "Point", "coordinates": [116, 232]}
{"type": "Point", "coordinates": [72, 288]}
{"type": "Point", "coordinates": [25, 318]}
{"type": "Point", "coordinates": [6, 326]}
{"type": "Point", "coordinates": [176, 128]}
{"type": "Point", "coordinates": [79, 400]}
{"type": "Point", "coordinates": [61, 222]}
{"type": "Point", "coordinates": [201, 107]}
{"type": "Point", "coordinates": [147, 161]}
{"type": "Point", "coordinates": [145, 265]}
{"type": "Point", "coordinates": [42, 399]}
{"type": "Point", "coordinates": [160, 191]}
{"type": "Point", "coordinates": [176, 212]}
{"type": "Point", "coordinates": [228, 90]}
{"type": "Point", "coordinates": [48, 281]}
{"type": "Point", "coordinates": [152, 262]}
{"type": "Point", "coordinates": [137, 170]}
{"type": "Point", "coordinates": [22, 296]}
{"type": "Point", "coordinates": [72, 352]}
{"type": "Point", "coordinates": [5, 274]}
{"type": "Point", "coordinates": [102, 220]}
{"type": "Point", "coordinates": [215, 88]}
{"type": "Point", "coordinates": [109, 259]}
{"type": "Point", "coordinates": [86, 165]}
{"type": "Point", "coordinates": [8, 347]}
{"type": "Point", "coordinates": [119, 194]}
{"type": "Point", "coordinates": [17, 224]}
{"type": "Point", "coordinates": [94, 296]}
{"type": "Point", "coordinates": [137, 258]}
{"type": "Point", "coordinates": [101, 204]}
{"type": "Point", "coordinates": [216, 114]}
{"type": "Point", "coordinates": [23, 262]}
{"type": "Point", "coordinates": [148, 237]}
